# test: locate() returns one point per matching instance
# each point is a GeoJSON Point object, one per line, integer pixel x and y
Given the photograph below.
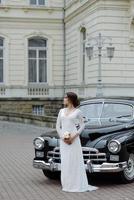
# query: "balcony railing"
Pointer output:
{"type": "Point", "coordinates": [2, 91]}
{"type": "Point", "coordinates": [38, 91]}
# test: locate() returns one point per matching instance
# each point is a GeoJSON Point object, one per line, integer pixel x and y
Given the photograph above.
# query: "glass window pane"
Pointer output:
{"type": "Point", "coordinates": [1, 42]}
{"type": "Point", "coordinates": [1, 70]}
{"type": "Point", "coordinates": [32, 53]}
{"type": "Point", "coordinates": [38, 110]}
{"type": "Point", "coordinates": [41, 2]}
{"type": "Point", "coordinates": [42, 71]}
{"type": "Point", "coordinates": [1, 53]}
{"type": "Point", "coordinates": [32, 71]}
{"type": "Point", "coordinates": [117, 110]}
{"type": "Point", "coordinates": [33, 2]}
{"type": "Point", "coordinates": [42, 54]}
{"type": "Point", "coordinates": [92, 110]}
{"type": "Point", "coordinates": [37, 42]}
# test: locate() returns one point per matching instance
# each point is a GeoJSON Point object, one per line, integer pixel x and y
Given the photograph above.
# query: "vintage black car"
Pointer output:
{"type": "Point", "coordinates": [107, 140]}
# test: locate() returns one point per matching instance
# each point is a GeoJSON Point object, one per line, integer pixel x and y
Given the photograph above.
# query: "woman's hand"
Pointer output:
{"type": "Point", "coordinates": [71, 139]}
{"type": "Point", "coordinates": [67, 140]}
{"type": "Point", "coordinates": [67, 136]}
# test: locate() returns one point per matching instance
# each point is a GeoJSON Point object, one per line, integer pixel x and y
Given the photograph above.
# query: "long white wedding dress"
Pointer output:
{"type": "Point", "coordinates": [73, 173]}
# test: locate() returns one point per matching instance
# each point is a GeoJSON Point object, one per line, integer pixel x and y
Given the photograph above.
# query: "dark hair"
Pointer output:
{"type": "Point", "coordinates": [73, 98]}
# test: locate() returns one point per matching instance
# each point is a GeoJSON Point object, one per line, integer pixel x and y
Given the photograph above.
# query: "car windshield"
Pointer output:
{"type": "Point", "coordinates": [102, 112]}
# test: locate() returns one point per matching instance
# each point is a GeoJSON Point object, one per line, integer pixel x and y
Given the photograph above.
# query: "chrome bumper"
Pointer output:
{"type": "Point", "coordinates": [40, 164]}
{"type": "Point", "coordinates": [106, 167]}
{"type": "Point", "coordinates": [91, 168]}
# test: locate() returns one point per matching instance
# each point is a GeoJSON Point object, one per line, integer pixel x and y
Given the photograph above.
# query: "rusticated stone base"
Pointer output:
{"type": "Point", "coordinates": [25, 106]}
{"type": "Point", "coordinates": [47, 121]}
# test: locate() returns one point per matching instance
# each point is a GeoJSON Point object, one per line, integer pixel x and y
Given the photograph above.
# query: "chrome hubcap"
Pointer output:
{"type": "Point", "coordinates": [129, 171]}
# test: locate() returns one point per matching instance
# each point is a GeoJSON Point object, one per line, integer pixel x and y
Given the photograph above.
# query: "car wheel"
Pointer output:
{"type": "Point", "coordinates": [51, 175]}
{"type": "Point", "coordinates": [127, 175]}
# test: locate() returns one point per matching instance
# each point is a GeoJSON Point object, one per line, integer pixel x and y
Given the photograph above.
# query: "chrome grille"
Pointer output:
{"type": "Point", "coordinates": [88, 154]}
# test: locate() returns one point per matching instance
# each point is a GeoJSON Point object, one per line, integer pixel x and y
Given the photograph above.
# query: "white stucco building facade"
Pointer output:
{"type": "Point", "coordinates": [111, 18]}
{"type": "Point", "coordinates": [42, 52]}
{"type": "Point", "coordinates": [21, 21]}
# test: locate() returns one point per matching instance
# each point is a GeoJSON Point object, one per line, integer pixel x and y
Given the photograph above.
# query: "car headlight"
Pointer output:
{"type": "Point", "coordinates": [38, 143]}
{"type": "Point", "coordinates": [114, 146]}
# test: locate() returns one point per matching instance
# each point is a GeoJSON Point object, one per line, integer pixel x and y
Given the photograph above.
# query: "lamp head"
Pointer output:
{"type": "Point", "coordinates": [89, 51]}
{"type": "Point", "coordinates": [110, 52]}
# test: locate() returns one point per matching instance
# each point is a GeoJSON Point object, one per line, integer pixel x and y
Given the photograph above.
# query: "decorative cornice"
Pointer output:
{"type": "Point", "coordinates": [88, 4]}
{"type": "Point", "coordinates": [105, 85]}
{"type": "Point", "coordinates": [29, 8]}
{"type": "Point", "coordinates": [73, 86]}
{"type": "Point", "coordinates": [80, 10]}
{"type": "Point", "coordinates": [35, 20]}
{"type": "Point", "coordinates": [71, 4]}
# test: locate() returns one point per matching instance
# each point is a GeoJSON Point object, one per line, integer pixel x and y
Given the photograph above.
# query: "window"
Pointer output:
{"type": "Point", "coordinates": [106, 114]}
{"type": "Point", "coordinates": [117, 110]}
{"type": "Point", "coordinates": [38, 110]}
{"type": "Point", "coordinates": [37, 2]}
{"type": "Point", "coordinates": [92, 110]}
{"type": "Point", "coordinates": [131, 34]}
{"type": "Point", "coordinates": [83, 39]}
{"type": "Point", "coordinates": [1, 59]}
{"type": "Point", "coordinates": [37, 56]}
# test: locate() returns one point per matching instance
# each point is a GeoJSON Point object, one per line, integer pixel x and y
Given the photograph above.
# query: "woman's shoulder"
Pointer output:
{"type": "Point", "coordinates": [62, 109]}
{"type": "Point", "coordinates": [79, 112]}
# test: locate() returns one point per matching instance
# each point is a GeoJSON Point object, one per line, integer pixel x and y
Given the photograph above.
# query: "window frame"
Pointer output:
{"type": "Point", "coordinates": [38, 110]}
{"type": "Point", "coordinates": [83, 33]}
{"type": "Point", "coordinates": [37, 3]}
{"type": "Point", "coordinates": [37, 58]}
{"type": "Point", "coordinates": [3, 59]}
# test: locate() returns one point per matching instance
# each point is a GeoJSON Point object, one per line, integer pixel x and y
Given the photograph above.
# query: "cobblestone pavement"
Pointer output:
{"type": "Point", "coordinates": [20, 181]}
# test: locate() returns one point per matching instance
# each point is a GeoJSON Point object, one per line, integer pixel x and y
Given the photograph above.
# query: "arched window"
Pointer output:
{"type": "Point", "coordinates": [83, 52]}
{"type": "Point", "coordinates": [1, 58]}
{"type": "Point", "coordinates": [37, 57]}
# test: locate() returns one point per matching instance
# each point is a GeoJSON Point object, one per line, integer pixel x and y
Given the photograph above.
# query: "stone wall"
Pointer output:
{"type": "Point", "coordinates": [29, 119]}
{"type": "Point", "coordinates": [24, 106]}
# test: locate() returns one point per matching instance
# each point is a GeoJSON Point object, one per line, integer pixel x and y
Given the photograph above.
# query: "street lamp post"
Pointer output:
{"type": "Point", "coordinates": [99, 43]}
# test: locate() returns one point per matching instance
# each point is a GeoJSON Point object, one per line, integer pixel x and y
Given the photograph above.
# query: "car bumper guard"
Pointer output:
{"type": "Point", "coordinates": [91, 168]}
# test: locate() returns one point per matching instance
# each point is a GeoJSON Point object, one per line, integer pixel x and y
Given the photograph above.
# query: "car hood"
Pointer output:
{"type": "Point", "coordinates": [98, 137]}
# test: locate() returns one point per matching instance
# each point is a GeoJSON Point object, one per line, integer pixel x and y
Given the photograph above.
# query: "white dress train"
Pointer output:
{"type": "Point", "coordinates": [73, 173]}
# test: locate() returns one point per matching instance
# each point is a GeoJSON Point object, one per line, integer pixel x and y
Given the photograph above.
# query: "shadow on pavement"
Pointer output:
{"type": "Point", "coordinates": [104, 179]}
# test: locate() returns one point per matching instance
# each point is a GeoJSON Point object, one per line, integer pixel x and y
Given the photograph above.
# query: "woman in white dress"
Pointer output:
{"type": "Point", "coordinates": [69, 125]}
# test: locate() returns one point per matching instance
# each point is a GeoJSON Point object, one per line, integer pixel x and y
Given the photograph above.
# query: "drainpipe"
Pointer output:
{"type": "Point", "coordinates": [64, 39]}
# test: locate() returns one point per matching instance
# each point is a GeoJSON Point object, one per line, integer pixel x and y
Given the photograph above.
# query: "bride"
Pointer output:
{"type": "Point", "coordinates": [69, 125]}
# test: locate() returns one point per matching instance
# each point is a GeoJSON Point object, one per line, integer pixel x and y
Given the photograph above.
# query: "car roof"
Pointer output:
{"type": "Point", "coordinates": [126, 100]}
